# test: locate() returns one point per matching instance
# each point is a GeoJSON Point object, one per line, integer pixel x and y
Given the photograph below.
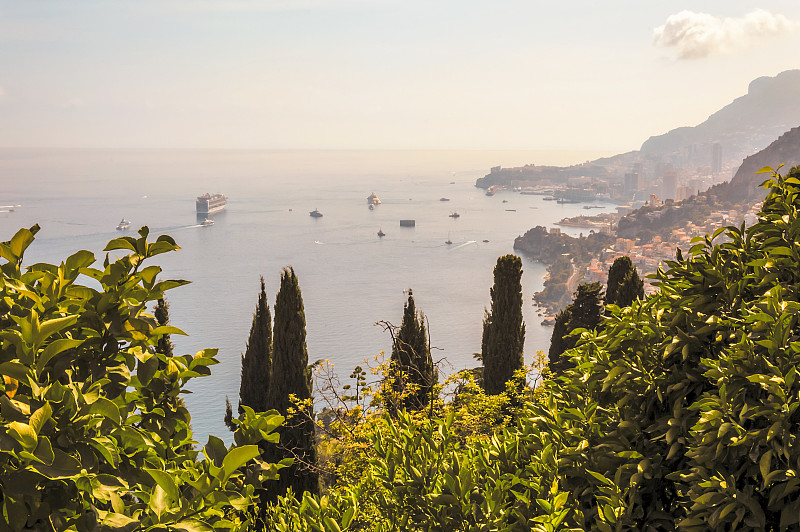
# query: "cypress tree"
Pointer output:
{"type": "Point", "coordinates": [292, 375]}
{"type": "Point", "coordinates": [558, 340]}
{"type": "Point", "coordinates": [411, 362]}
{"type": "Point", "coordinates": [503, 328]}
{"type": "Point", "coordinates": [585, 312]}
{"type": "Point", "coordinates": [257, 358]}
{"type": "Point", "coordinates": [624, 284]}
{"type": "Point", "coordinates": [161, 313]}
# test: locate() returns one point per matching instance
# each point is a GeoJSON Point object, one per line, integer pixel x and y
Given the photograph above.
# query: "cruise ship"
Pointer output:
{"type": "Point", "coordinates": [211, 203]}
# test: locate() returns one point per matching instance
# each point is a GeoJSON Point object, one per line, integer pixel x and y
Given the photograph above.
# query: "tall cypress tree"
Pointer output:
{"type": "Point", "coordinates": [292, 375]}
{"type": "Point", "coordinates": [161, 313]}
{"type": "Point", "coordinates": [585, 312]}
{"type": "Point", "coordinates": [411, 362]}
{"type": "Point", "coordinates": [624, 284]}
{"type": "Point", "coordinates": [503, 329]}
{"type": "Point", "coordinates": [257, 358]}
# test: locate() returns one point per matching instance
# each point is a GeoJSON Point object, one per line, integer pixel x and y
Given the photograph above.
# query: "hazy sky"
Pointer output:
{"type": "Point", "coordinates": [274, 74]}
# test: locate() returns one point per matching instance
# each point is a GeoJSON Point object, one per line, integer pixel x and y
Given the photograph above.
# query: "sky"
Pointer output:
{"type": "Point", "coordinates": [378, 74]}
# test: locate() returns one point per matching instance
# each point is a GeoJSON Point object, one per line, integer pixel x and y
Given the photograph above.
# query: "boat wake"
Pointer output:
{"type": "Point", "coordinates": [470, 242]}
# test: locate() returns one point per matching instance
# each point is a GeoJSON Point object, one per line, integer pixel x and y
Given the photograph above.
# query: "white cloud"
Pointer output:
{"type": "Point", "coordinates": [697, 35]}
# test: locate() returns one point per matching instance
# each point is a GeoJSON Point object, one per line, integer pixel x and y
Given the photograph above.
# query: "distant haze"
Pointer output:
{"type": "Point", "coordinates": [378, 74]}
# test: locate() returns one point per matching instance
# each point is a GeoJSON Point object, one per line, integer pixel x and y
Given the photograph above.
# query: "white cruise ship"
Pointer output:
{"type": "Point", "coordinates": [211, 203]}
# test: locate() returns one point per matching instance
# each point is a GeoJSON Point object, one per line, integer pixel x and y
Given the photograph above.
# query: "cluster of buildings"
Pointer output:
{"type": "Point", "coordinates": [647, 257]}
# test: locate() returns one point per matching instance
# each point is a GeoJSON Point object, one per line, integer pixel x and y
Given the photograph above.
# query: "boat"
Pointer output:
{"type": "Point", "coordinates": [207, 222]}
{"type": "Point", "coordinates": [381, 233]}
{"type": "Point", "coordinates": [123, 225]}
{"type": "Point", "coordinates": [408, 223]}
{"type": "Point", "coordinates": [315, 214]}
{"type": "Point", "coordinates": [448, 241]}
{"type": "Point", "coordinates": [564, 201]}
{"type": "Point", "coordinates": [444, 199]}
{"type": "Point", "coordinates": [371, 207]}
{"type": "Point", "coordinates": [211, 203]}
{"type": "Point", "coordinates": [373, 199]}
{"type": "Point", "coordinates": [454, 215]}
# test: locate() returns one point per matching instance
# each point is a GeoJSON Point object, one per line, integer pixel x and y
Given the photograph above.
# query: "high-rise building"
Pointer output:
{"type": "Point", "coordinates": [632, 184]}
{"type": "Point", "coordinates": [669, 185]}
{"type": "Point", "coordinates": [716, 158]}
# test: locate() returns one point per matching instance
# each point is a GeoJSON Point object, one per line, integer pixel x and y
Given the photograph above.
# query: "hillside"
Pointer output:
{"type": "Point", "coordinates": [743, 127]}
{"type": "Point", "coordinates": [745, 184]}
{"type": "Point", "coordinates": [746, 125]}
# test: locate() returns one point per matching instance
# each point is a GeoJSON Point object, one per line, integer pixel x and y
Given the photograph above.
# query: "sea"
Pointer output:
{"type": "Point", "coordinates": [350, 278]}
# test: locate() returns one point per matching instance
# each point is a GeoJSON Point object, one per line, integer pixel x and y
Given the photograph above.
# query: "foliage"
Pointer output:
{"type": "Point", "coordinates": [93, 432]}
{"type": "Point", "coordinates": [161, 313]}
{"type": "Point", "coordinates": [290, 392]}
{"type": "Point", "coordinates": [503, 329]}
{"type": "Point", "coordinates": [257, 358]}
{"type": "Point", "coordinates": [624, 284]}
{"type": "Point", "coordinates": [585, 312]}
{"type": "Point", "coordinates": [411, 376]}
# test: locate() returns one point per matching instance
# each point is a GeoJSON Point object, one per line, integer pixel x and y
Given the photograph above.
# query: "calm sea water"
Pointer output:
{"type": "Point", "coordinates": [350, 278]}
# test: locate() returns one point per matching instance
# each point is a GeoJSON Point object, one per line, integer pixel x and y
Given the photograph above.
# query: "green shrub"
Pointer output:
{"type": "Point", "coordinates": [94, 434]}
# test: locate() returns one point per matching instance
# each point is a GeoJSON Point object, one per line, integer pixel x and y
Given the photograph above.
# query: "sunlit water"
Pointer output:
{"type": "Point", "coordinates": [350, 278]}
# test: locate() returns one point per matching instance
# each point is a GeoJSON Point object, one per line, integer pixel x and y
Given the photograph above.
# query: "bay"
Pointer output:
{"type": "Point", "coordinates": [350, 278]}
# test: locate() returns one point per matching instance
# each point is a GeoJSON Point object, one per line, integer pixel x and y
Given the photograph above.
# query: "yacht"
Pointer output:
{"type": "Point", "coordinates": [123, 225]}
{"type": "Point", "coordinates": [207, 222]}
{"type": "Point", "coordinates": [315, 213]}
{"type": "Point", "coordinates": [372, 199]}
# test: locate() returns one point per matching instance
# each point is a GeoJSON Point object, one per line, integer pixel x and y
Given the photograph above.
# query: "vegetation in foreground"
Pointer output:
{"type": "Point", "coordinates": [679, 411]}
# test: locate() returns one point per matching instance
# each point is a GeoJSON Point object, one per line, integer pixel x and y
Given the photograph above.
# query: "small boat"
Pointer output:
{"type": "Point", "coordinates": [485, 240]}
{"type": "Point", "coordinates": [511, 210]}
{"type": "Point", "coordinates": [207, 222]}
{"type": "Point", "coordinates": [381, 234]}
{"type": "Point", "coordinates": [315, 214]}
{"type": "Point", "coordinates": [448, 241]}
{"type": "Point", "coordinates": [408, 223]}
{"type": "Point", "coordinates": [123, 225]}
{"type": "Point", "coordinates": [444, 199]}
{"type": "Point", "coordinates": [372, 199]}
{"type": "Point", "coordinates": [454, 215]}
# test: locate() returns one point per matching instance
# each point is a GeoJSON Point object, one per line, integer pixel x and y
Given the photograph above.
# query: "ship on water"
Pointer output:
{"type": "Point", "coordinates": [373, 199]}
{"type": "Point", "coordinates": [211, 203]}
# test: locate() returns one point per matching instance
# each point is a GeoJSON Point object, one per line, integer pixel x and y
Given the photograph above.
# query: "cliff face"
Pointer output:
{"type": "Point", "coordinates": [785, 150]}
{"type": "Point", "coordinates": [770, 107]}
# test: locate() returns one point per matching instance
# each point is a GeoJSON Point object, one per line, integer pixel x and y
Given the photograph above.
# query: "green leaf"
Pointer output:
{"type": "Point", "coordinates": [15, 369]}
{"type": "Point", "coordinates": [106, 408]}
{"type": "Point", "coordinates": [166, 481]}
{"type": "Point", "coordinates": [22, 433]}
{"type": "Point", "coordinates": [55, 347]}
{"type": "Point", "coordinates": [193, 526]}
{"type": "Point", "coordinates": [119, 522]}
{"type": "Point", "coordinates": [40, 417]}
{"type": "Point", "coordinates": [50, 327]}
{"type": "Point", "coordinates": [125, 242]}
{"type": "Point", "coordinates": [237, 457]}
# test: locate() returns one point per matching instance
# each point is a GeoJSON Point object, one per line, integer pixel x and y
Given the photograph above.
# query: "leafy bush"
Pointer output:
{"type": "Point", "coordinates": [93, 432]}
